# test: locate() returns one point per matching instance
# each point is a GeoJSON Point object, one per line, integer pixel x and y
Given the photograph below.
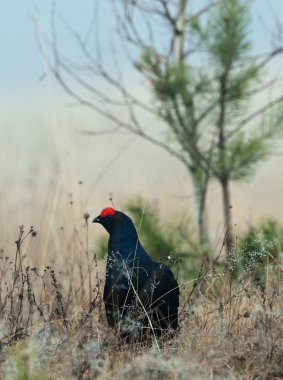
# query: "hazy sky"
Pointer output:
{"type": "Point", "coordinates": [40, 139]}
{"type": "Point", "coordinates": [21, 61]}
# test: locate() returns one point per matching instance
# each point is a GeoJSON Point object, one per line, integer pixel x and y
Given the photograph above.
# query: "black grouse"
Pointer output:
{"type": "Point", "coordinates": [141, 296]}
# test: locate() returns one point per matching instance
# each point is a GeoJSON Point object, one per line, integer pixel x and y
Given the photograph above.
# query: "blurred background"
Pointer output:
{"type": "Point", "coordinates": [54, 164]}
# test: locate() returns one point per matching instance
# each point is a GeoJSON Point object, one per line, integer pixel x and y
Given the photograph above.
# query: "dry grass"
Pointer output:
{"type": "Point", "coordinates": [52, 323]}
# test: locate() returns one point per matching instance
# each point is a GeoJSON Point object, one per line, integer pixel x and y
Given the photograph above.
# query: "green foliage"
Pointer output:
{"type": "Point", "coordinates": [163, 241]}
{"type": "Point", "coordinates": [102, 247]}
{"type": "Point", "coordinates": [195, 25]}
{"type": "Point", "coordinates": [228, 26]}
{"type": "Point", "coordinates": [173, 83]}
{"type": "Point", "coordinates": [168, 81]}
{"type": "Point", "coordinates": [261, 244]}
{"type": "Point", "coordinates": [228, 48]}
{"type": "Point", "coordinates": [241, 80]}
{"type": "Point", "coordinates": [243, 154]}
{"type": "Point", "coordinates": [245, 151]}
{"type": "Point", "coordinates": [22, 364]}
{"type": "Point", "coordinates": [149, 228]}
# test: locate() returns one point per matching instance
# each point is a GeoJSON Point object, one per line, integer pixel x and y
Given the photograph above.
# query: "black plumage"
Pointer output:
{"type": "Point", "coordinates": [141, 296]}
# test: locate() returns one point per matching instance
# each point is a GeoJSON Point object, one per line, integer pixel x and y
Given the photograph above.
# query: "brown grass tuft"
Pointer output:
{"type": "Point", "coordinates": [52, 322]}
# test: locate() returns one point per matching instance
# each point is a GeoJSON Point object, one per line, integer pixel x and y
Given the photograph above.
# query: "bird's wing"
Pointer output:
{"type": "Point", "coordinates": [160, 295]}
{"type": "Point", "coordinates": [118, 294]}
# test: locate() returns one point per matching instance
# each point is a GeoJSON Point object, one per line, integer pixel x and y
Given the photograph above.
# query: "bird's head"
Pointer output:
{"type": "Point", "coordinates": [116, 222]}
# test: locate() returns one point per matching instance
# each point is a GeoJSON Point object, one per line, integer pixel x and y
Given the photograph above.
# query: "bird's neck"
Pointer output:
{"type": "Point", "coordinates": [125, 244]}
{"type": "Point", "coordinates": [126, 248]}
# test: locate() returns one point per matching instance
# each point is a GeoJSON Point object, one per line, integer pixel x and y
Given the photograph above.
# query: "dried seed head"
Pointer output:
{"type": "Point", "coordinates": [86, 216]}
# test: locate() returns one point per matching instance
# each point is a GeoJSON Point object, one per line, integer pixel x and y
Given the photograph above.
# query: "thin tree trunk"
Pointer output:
{"type": "Point", "coordinates": [227, 216]}
{"type": "Point", "coordinates": [224, 177]}
{"type": "Point", "coordinates": [200, 197]}
{"type": "Point", "coordinates": [204, 237]}
{"type": "Point", "coordinates": [178, 42]}
{"type": "Point", "coordinates": [200, 186]}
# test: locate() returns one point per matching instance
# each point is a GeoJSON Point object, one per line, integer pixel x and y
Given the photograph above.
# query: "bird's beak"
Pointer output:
{"type": "Point", "coordinates": [96, 220]}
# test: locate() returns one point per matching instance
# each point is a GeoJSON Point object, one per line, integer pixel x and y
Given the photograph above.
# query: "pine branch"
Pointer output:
{"type": "Point", "coordinates": [254, 115]}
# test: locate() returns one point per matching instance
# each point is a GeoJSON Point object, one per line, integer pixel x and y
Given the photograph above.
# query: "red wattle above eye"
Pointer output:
{"type": "Point", "coordinates": [107, 211]}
